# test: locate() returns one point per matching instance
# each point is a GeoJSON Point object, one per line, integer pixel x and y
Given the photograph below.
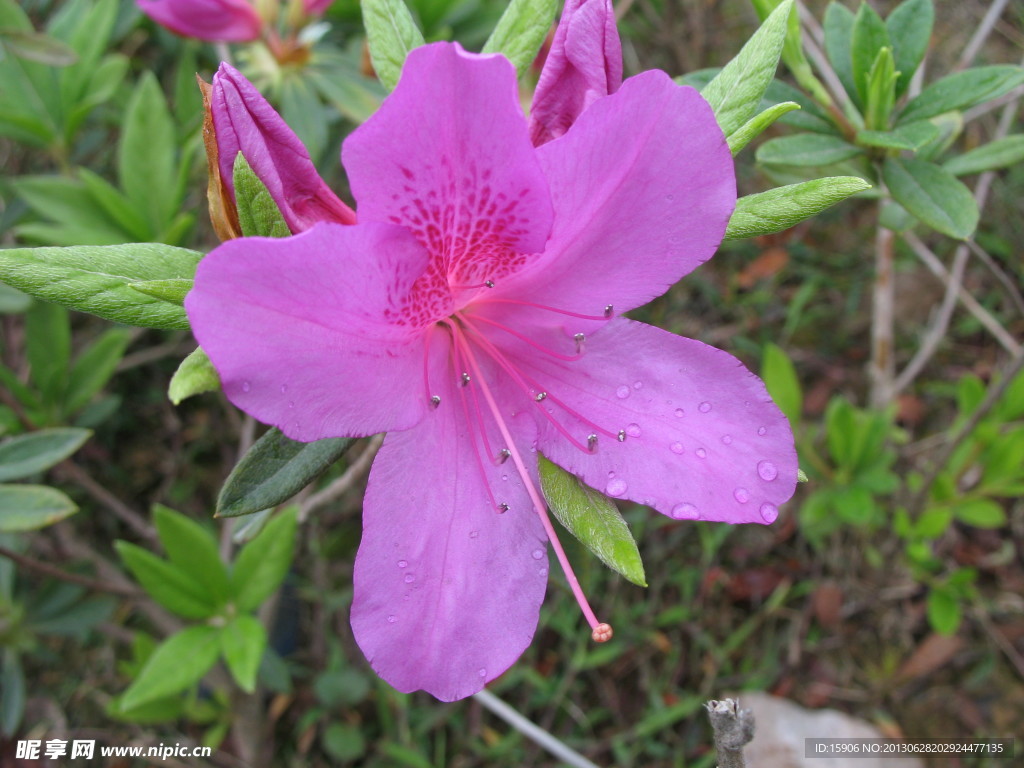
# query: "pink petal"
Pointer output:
{"type": "Point", "coordinates": [245, 122]}
{"type": "Point", "coordinates": [217, 20]}
{"type": "Point", "coordinates": [447, 156]}
{"type": "Point", "coordinates": [300, 329]}
{"type": "Point", "coordinates": [643, 186]}
{"type": "Point", "coordinates": [447, 591]}
{"type": "Point", "coordinates": [585, 63]}
{"type": "Point", "coordinates": [316, 7]}
{"type": "Point", "coordinates": [702, 436]}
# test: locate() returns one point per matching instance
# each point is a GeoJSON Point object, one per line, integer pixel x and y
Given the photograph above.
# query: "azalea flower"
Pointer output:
{"type": "Point", "coordinates": [475, 314]}
{"type": "Point", "coordinates": [231, 21]}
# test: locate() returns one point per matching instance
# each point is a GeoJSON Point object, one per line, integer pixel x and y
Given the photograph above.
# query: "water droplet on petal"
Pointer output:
{"type": "Point", "coordinates": [616, 487]}
{"type": "Point", "coordinates": [701, 453]}
{"type": "Point", "coordinates": [291, 403]}
{"type": "Point", "coordinates": [409, 578]}
{"type": "Point", "coordinates": [769, 512]}
{"type": "Point", "coordinates": [542, 571]}
{"type": "Point", "coordinates": [680, 413]}
{"type": "Point", "coordinates": [727, 439]}
{"type": "Point", "coordinates": [622, 392]}
{"type": "Point", "coordinates": [742, 495]}
{"type": "Point", "coordinates": [762, 431]}
{"type": "Point", "coordinates": [677, 448]}
{"type": "Point", "coordinates": [611, 473]}
{"type": "Point", "coordinates": [767, 471]}
{"type": "Point", "coordinates": [474, 534]}
{"type": "Point", "coordinates": [638, 385]}
{"type": "Point", "coordinates": [284, 388]}
{"type": "Point", "coordinates": [246, 386]}
{"type": "Point", "coordinates": [704, 407]}
{"type": "Point", "coordinates": [482, 672]}
{"type": "Point", "coordinates": [633, 430]}
{"type": "Point", "coordinates": [685, 511]}
{"type": "Point", "coordinates": [504, 477]}
{"type": "Point", "coordinates": [403, 564]}
{"type": "Point", "coordinates": [392, 619]}
{"type": "Point", "coordinates": [537, 554]}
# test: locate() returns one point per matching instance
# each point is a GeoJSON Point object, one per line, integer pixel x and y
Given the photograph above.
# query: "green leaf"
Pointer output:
{"type": "Point", "coordinates": [783, 207]}
{"type": "Point", "coordinates": [192, 549]}
{"type": "Point", "coordinates": [391, 34]}
{"type": "Point", "coordinates": [592, 518]}
{"type": "Point", "coordinates": [736, 91]}
{"type": "Point", "coordinates": [169, 585]}
{"type": "Point", "coordinates": [242, 642]}
{"type": "Point", "coordinates": [274, 470]}
{"type": "Point", "coordinates": [881, 91]}
{"type": "Point", "coordinates": [806, 150]}
{"type": "Point", "coordinates": [195, 375]}
{"type": "Point", "coordinates": [521, 31]}
{"type": "Point", "coordinates": [944, 612]}
{"type": "Point", "coordinates": [867, 40]}
{"type": "Point", "coordinates": [12, 693]}
{"type": "Point", "coordinates": [13, 301]}
{"type": "Point", "coordinates": [258, 214]}
{"type": "Point", "coordinates": [932, 194]}
{"type": "Point", "coordinates": [344, 742]}
{"type": "Point", "coordinates": [146, 153]}
{"type": "Point", "coordinates": [94, 367]}
{"type": "Point", "coordinates": [910, 28]}
{"type": "Point", "coordinates": [177, 664]}
{"type": "Point", "coordinates": [782, 383]}
{"type": "Point", "coordinates": [97, 279]}
{"type": "Point", "coordinates": [264, 562]}
{"type": "Point", "coordinates": [911, 136]}
{"type": "Point", "coordinates": [48, 348]}
{"type": "Point", "coordinates": [963, 89]}
{"type": "Point", "coordinates": [981, 513]}
{"type": "Point", "coordinates": [933, 522]}
{"type": "Point", "coordinates": [173, 290]}
{"type": "Point", "coordinates": [27, 454]}
{"type": "Point", "coordinates": [838, 44]}
{"type": "Point", "coordinates": [28, 507]}
{"type": "Point", "coordinates": [116, 205]}
{"type": "Point", "coordinates": [304, 112]}
{"type": "Point", "coordinates": [1001, 153]}
{"type": "Point", "coordinates": [757, 125]}
{"type": "Point", "coordinates": [38, 47]}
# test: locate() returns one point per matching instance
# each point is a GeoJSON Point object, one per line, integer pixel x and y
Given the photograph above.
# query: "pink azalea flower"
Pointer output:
{"type": "Point", "coordinates": [316, 7]}
{"type": "Point", "coordinates": [217, 20]}
{"type": "Point", "coordinates": [584, 64]}
{"type": "Point", "coordinates": [475, 314]}
{"type": "Point", "coordinates": [245, 122]}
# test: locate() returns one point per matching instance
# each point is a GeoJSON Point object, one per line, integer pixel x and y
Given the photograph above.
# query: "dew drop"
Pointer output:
{"type": "Point", "coordinates": [769, 512]}
{"type": "Point", "coordinates": [767, 471]}
{"type": "Point", "coordinates": [482, 672]}
{"type": "Point", "coordinates": [701, 453]}
{"type": "Point", "coordinates": [704, 407]}
{"type": "Point", "coordinates": [542, 571]}
{"type": "Point", "coordinates": [685, 511]}
{"type": "Point", "coordinates": [727, 439]}
{"type": "Point", "coordinates": [392, 619]}
{"type": "Point", "coordinates": [680, 413]}
{"type": "Point", "coordinates": [616, 487]}
{"type": "Point", "coordinates": [677, 448]}
{"type": "Point", "coordinates": [403, 564]}
{"type": "Point", "coordinates": [474, 534]}
{"type": "Point", "coordinates": [633, 430]}
{"type": "Point", "coordinates": [742, 495]}
{"type": "Point", "coordinates": [762, 431]}
{"type": "Point", "coordinates": [622, 392]}
{"type": "Point", "coordinates": [284, 388]}
{"type": "Point", "coordinates": [246, 386]}
{"type": "Point", "coordinates": [291, 403]}
{"type": "Point", "coordinates": [638, 385]}
{"type": "Point", "coordinates": [504, 477]}
{"type": "Point", "coordinates": [409, 578]}
{"type": "Point", "coordinates": [611, 473]}
{"type": "Point", "coordinates": [537, 554]}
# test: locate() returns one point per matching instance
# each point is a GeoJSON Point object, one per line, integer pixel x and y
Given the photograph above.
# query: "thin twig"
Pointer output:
{"type": "Point", "coordinates": [734, 729]}
{"type": "Point", "coordinates": [347, 480]}
{"type": "Point", "coordinates": [531, 731]}
{"type": "Point", "coordinates": [31, 564]}
{"type": "Point", "coordinates": [71, 471]}
{"type": "Point", "coordinates": [1004, 279]}
{"type": "Point", "coordinates": [883, 311]}
{"type": "Point", "coordinates": [999, 639]}
{"type": "Point", "coordinates": [988, 21]}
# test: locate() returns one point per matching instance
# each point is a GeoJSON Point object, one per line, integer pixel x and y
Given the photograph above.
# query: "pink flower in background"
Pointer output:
{"type": "Point", "coordinates": [475, 314]}
{"type": "Point", "coordinates": [217, 20]}
{"type": "Point", "coordinates": [584, 64]}
{"type": "Point", "coordinates": [316, 7]}
{"type": "Point", "coordinates": [245, 122]}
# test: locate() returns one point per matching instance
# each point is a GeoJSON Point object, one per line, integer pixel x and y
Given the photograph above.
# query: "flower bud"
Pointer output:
{"type": "Point", "coordinates": [217, 20]}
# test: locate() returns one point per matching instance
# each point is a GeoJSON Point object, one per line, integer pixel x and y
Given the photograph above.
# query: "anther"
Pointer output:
{"type": "Point", "coordinates": [602, 633]}
{"type": "Point", "coordinates": [435, 401]}
{"type": "Point", "coordinates": [503, 455]}
{"type": "Point", "coordinates": [608, 310]}
{"type": "Point", "coordinates": [540, 396]}
{"type": "Point", "coordinates": [489, 283]}
{"type": "Point", "coordinates": [465, 378]}
{"type": "Point", "coordinates": [621, 437]}
{"type": "Point", "coordinates": [579, 338]}
{"type": "Point", "coordinates": [591, 442]}
{"type": "Point", "coordinates": [502, 508]}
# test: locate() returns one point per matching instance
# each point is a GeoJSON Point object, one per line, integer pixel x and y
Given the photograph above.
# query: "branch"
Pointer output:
{"type": "Point", "coordinates": [734, 729]}
{"type": "Point", "coordinates": [981, 34]}
{"type": "Point", "coordinates": [343, 483]}
{"type": "Point", "coordinates": [54, 572]}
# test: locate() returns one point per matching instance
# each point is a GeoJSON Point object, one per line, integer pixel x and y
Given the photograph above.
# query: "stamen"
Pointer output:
{"type": "Point", "coordinates": [538, 505]}
{"type": "Point", "coordinates": [579, 338]}
{"type": "Point", "coordinates": [435, 401]}
{"type": "Point", "coordinates": [602, 633]}
{"type": "Point", "coordinates": [528, 340]}
{"type": "Point", "coordinates": [592, 442]}
{"type": "Point", "coordinates": [608, 310]}
{"type": "Point", "coordinates": [485, 284]}
{"type": "Point", "coordinates": [540, 396]}
{"type": "Point", "coordinates": [546, 308]}
{"type": "Point", "coordinates": [488, 283]}
{"type": "Point", "coordinates": [503, 455]}
{"type": "Point", "coordinates": [502, 508]}
{"type": "Point", "coordinates": [621, 437]}
{"type": "Point", "coordinates": [465, 379]}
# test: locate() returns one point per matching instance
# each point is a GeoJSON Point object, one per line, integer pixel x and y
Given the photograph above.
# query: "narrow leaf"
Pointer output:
{"type": "Point", "coordinates": [94, 367]}
{"type": "Point", "coordinates": [264, 562]}
{"type": "Point", "coordinates": [178, 663]}
{"type": "Point", "coordinates": [48, 348]}
{"type": "Point", "coordinates": [782, 383]}
{"type": "Point", "coordinates": [838, 44]}
{"type": "Point", "coordinates": [736, 91]}
{"type": "Point", "coordinates": [391, 34]}
{"type": "Point", "coordinates": [867, 40]}
{"type": "Point", "coordinates": [166, 583]}
{"type": "Point", "coordinates": [1001, 153]}
{"type": "Point", "coordinates": [97, 279]}
{"type": "Point", "coordinates": [757, 125]}
{"type": "Point", "coordinates": [192, 549]}
{"type": "Point", "coordinates": [242, 642]}
{"type": "Point", "coordinates": [12, 692]}
{"type": "Point", "coordinates": [35, 46]}
{"type": "Point", "coordinates": [521, 31]}
{"type": "Point", "coordinates": [881, 91]}
{"type": "Point", "coordinates": [961, 90]}
{"type": "Point", "coordinates": [274, 470]}
{"type": "Point", "coordinates": [195, 375]}
{"type": "Point", "coordinates": [782, 207]}
{"type": "Point", "coordinates": [981, 513]}
{"type": "Point", "coordinates": [173, 290]}
{"type": "Point", "coordinates": [592, 518]}
{"type": "Point", "coordinates": [911, 136]}
{"type": "Point", "coordinates": [27, 454]}
{"type": "Point", "coordinates": [28, 507]}
{"type": "Point", "coordinates": [806, 150]}
{"type": "Point", "coordinates": [258, 214]}
{"type": "Point", "coordinates": [146, 152]}
{"type": "Point", "coordinates": [932, 194]}
{"type": "Point", "coordinates": [910, 28]}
